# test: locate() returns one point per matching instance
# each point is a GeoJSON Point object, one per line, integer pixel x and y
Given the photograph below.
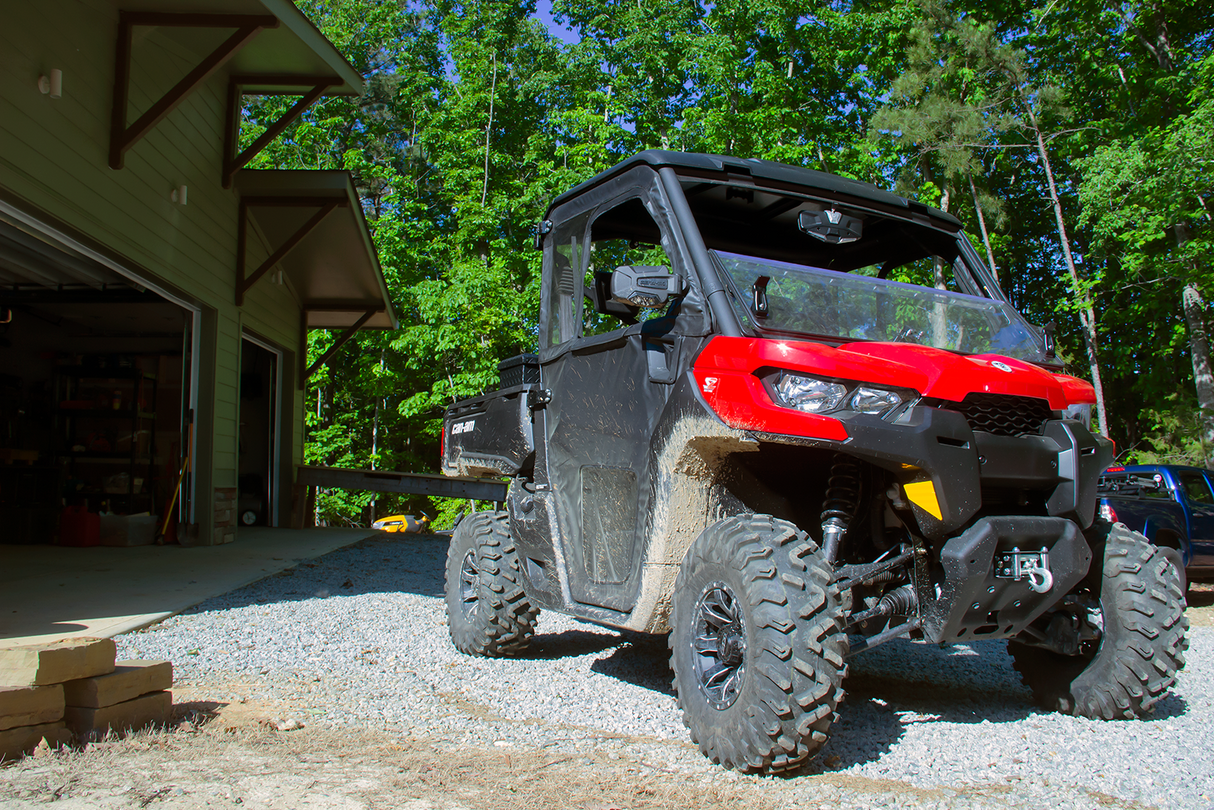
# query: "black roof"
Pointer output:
{"type": "Point", "coordinates": [778, 173]}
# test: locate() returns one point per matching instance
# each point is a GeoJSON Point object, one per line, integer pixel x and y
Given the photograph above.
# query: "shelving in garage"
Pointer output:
{"type": "Point", "coordinates": [106, 437]}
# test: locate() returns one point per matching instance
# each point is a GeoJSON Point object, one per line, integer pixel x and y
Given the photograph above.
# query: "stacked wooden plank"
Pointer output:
{"type": "Point", "coordinates": [76, 687]}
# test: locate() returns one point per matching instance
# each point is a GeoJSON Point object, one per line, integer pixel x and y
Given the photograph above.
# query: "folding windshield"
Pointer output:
{"type": "Point", "coordinates": [806, 265]}
{"type": "Point", "coordinates": [783, 297]}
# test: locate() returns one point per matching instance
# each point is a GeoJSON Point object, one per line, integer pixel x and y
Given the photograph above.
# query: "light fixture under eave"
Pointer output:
{"type": "Point", "coordinates": [180, 194]}
{"type": "Point", "coordinates": [51, 84]}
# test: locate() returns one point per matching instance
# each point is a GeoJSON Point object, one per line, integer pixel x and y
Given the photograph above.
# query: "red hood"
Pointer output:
{"type": "Point", "coordinates": [931, 372]}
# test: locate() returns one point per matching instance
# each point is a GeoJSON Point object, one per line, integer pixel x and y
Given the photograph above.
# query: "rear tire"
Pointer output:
{"type": "Point", "coordinates": [488, 613]}
{"type": "Point", "coordinates": [757, 645]}
{"type": "Point", "coordinates": [1141, 646]}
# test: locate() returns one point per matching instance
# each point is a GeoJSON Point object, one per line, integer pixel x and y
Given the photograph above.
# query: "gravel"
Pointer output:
{"type": "Point", "coordinates": [358, 638]}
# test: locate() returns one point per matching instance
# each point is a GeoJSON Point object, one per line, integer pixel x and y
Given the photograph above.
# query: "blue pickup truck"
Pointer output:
{"type": "Point", "coordinates": [1173, 506]}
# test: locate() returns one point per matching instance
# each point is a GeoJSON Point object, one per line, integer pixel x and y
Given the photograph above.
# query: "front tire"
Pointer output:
{"type": "Point", "coordinates": [757, 645]}
{"type": "Point", "coordinates": [1142, 642]}
{"type": "Point", "coordinates": [488, 613]}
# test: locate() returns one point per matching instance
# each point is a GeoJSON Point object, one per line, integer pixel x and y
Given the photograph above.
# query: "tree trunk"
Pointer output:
{"type": "Point", "coordinates": [939, 317]}
{"type": "Point", "coordinates": [1203, 376]}
{"type": "Point", "coordinates": [489, 130]}
{"type": "Point", "coordinates": [1199, 350]}
{"type": "Point", "coordinates": [986, 239]}
{"type": "Point", "coordinates": [375, 435]}
{"type": "Point", "coordinates": [1087, 312]}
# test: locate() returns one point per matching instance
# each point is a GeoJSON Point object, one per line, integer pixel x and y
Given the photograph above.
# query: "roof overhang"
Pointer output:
{"type": "Point", "coordinates": [333, 268]}
{"type": "Point", "coordinates": [294, 47]}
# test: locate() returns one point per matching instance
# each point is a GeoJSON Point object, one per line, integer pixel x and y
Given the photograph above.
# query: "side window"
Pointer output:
{"type": "Point", "coordinates": [562, 297]}
{"type": "Point", "coordinates": [623, 235]}
{"type": "Point", "coordinates": [1196, 488]}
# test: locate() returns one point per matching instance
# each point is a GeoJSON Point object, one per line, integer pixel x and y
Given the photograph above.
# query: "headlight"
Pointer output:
{"type": "Point", "coordinates": [874, 401]}
{"type": "Point", "coordinates": [809, 394]}
{"type": "Point", "coordinates": [812, 395]}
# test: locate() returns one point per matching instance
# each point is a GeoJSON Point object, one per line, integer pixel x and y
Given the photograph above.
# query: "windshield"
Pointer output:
{"type": "Point", "coordinates": [861, 306]}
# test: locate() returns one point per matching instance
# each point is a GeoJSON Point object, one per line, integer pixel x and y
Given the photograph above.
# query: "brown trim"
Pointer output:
{"type": "Point", "coordinates": [242, 283]}
{"type": "Point", "coordinates": [281, 82]}
{"type": "Point", "coordinates": [340, 305]}
{"type": "Point", "coordinates": [232, 162]}
{"type": "Point", "coordinates": [171, 19]}
{"type": "Point", "coordinates": [123, 137]}
{"type": "Point", "coordinates": [286, 201]}
{"type": "Point", "coordinates": [341, 341]}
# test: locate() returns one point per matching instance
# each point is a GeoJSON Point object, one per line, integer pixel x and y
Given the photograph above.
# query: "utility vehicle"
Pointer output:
{"type": "Point", "coordinates": [784, 417]}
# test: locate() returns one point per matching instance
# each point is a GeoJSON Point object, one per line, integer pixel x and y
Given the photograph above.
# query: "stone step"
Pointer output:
{"type": "Point", "coordinates": [153, 709]}
{"type": "Point", "coordinates": [15, 742]}
{"type": "Point", "coordinates": [66, 660]}
{"type": "Point", "coordinates": [129, 680]}
{"type": "Point", "coordinates": [30, 705]}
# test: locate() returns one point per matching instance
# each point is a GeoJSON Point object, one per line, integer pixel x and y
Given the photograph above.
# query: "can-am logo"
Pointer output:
{"type": "Point", "coordinates": [463, 427]}
{"type": "Point", "coordinates": [1001, 365]}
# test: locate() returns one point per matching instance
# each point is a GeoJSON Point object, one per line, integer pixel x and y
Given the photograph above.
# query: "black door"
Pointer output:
{"type": "Point", "coordinates": [610, 380]}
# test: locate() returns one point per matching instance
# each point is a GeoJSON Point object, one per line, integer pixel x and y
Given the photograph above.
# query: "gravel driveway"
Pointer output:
{"type": "Point", "coordinates": [358, 638]}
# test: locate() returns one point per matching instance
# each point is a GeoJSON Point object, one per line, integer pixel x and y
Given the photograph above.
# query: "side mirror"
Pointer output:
{"type": "Point", "coordinates": [1047, 332]}
{"type": "Point", "coordinates": [645, 287]}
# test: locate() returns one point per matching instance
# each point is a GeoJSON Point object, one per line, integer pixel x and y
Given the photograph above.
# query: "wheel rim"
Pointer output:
{"type": "Point", "coordinates": [469, 583]}
{"type": "Point", "coordinates": [718, 645]}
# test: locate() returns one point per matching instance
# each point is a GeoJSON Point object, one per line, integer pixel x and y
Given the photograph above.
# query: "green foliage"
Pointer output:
{"type": "Point", "coordinates": [475, 117]}
{"type": "Point", "coordinates": [1176, 435]}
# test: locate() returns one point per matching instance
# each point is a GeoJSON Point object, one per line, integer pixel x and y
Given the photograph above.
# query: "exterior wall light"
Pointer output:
{"type": "Point", "coordinates": [51, 84]}
{"type": "Point", "coordinates": [179, 194]}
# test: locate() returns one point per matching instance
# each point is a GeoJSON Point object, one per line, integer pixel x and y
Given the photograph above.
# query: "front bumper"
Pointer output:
{"type": "Point", "coordinates": [934, 444]}
{"type": "Point", "coordinates": [966, 598]}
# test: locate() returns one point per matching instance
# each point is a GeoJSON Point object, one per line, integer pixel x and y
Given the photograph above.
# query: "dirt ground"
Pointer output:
{"type": "Point", "coordinates": [234, 756]}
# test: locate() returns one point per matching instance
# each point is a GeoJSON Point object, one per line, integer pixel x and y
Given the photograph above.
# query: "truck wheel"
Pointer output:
{"type": "Point", "coordinates": [1141, 645]}
{"type": "Point", "coordinates": [757, 645]}
{"type": "Point", "coordinates": [487, 611]}
{"type": "Point", "coordinates": [1173, 556]}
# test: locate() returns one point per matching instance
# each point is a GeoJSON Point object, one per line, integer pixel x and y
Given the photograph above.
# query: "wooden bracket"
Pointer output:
{"type": "Point", "coordinates": [310, 88]}
{"type": "Point", "coordinates": [341, 341]}
{"type": "Point", "coordinates": [326, 205]}
{"type": "Point", "coordinates": [123, 137]}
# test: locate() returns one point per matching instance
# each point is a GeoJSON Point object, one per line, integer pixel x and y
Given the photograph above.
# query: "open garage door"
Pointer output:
{"type": "Point", "coordinates": [96, 390]}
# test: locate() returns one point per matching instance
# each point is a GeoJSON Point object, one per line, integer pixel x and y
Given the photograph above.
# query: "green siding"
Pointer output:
{"type": "Point", "coordinates": [54, 156]}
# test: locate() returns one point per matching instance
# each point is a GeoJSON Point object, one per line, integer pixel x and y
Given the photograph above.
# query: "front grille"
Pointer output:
{"type": "Point", "coordinates": [1005, 415]}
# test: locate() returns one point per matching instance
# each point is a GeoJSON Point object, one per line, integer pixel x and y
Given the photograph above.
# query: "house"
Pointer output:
{"type": "Point", "coordinates": [155, 295]}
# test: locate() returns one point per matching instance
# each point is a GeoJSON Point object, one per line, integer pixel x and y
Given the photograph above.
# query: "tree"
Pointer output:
{"type": "Point", "coordinates": [1148, 198]}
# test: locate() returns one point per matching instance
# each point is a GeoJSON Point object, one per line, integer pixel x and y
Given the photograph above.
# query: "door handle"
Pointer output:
{"type": "Point", "coordinates": [662, 358]}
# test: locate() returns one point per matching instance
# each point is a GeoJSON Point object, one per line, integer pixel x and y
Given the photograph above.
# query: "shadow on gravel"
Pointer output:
{"type": "Point", "coordinates": [570, 644]}
{"type": "Point", "coordinates": [386, 565]}
{"type": "Point", "coordinates": [642, 661]}
{"type": "Point", "coordinates": [1169, 708]}
{"type": "Point", "coordinates": [965, 683]}
{"type": "Point", "coordinates": [865, 731]}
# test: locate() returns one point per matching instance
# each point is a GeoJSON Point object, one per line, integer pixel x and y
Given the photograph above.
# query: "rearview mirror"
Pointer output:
{"type": "Point", "coordinates": [645, 287]}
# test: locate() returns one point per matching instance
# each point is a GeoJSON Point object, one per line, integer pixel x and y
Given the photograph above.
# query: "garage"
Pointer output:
{"type": "Point", "coordinates": [95, 395]}
{"type": "Point", "coordinates": [156, 290]}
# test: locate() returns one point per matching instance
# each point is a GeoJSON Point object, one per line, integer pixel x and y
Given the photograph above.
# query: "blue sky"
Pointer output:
{"type": "Point", "coordinates": [543, 11]}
